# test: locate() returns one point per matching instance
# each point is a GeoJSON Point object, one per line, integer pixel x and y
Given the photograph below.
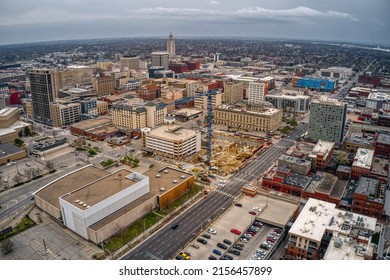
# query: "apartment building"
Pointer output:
{"type": "Point", "coordinates": [104, 85]}
{"type": "Point", "coordinates": [327, 120]}
{"type": "Point", "coordinates": [257, 92]}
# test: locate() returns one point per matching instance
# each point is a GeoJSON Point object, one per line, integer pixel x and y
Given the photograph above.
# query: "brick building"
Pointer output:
{"type": "Point", "coordinates": [321, 155]}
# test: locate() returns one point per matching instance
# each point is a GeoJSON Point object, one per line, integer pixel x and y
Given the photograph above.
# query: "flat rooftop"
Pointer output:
{"type": "Point", "coordinates": [165, 178]}
{"type": "Point", "coordinates": [367, 186]}
{"type": "Point", "coordinates": [189, 112]}
{"type": "Point", "coordinates": [360, 139]}
{"type": "Point", "coordinates": [266, 112]}
{"type": "Point", "coordinates": [92, 123]}
{"type": "Point", "coordinates": [172, 133]}
{"type": "Point", "coordinates": [327, 184]}
{"type": "Point", "coordinates": [294, 160]}
{"type": "Point", "coordinates": [383, 138]}
{"type": "Point", "coordinates": [363, 158]}
{"type": "Point", "coordinates": [297, 180]}
{"type": "Point", "coordinates": [8, 111]}
{"type": "Point", "coordinates": [7, 149]}
{"type": "Point", "coordinates": [103, 188]}
{"type": "Point", "coordinates": [322, 148]}
{"type": "Point", "coordinates": [379, 96]}
{"type": "Point", "coordinates": [318, 216]}
{"type": "Point", "coordinates": [69, 183]}
{"type": "Point", "coordinates": [344, 248]}
{"type": "Point", "coordinates": [289, 96]}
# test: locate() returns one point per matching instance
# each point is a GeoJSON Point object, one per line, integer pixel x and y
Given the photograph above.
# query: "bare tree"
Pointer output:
{"type": "Point", "coordinates": [79, 142]}
{"type": "Point", "coordinates": [49, 165]}
{"type": "Point", "coordinates": [29, 172]}
{"type": "Point", "coordinates": [6, 246]}
{"type": "Point", "coordinates": [37, 171]}
{"type": "Point", "coordinates": [17, 178]}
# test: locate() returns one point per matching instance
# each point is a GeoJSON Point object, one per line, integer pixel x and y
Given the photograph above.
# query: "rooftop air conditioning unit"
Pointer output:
{"type": "Point", "coordinates": [158, 175]}
{"type": "Point", "coordinates": [174, 181]}
{"type": "Point", "coordinates": [182, 176]}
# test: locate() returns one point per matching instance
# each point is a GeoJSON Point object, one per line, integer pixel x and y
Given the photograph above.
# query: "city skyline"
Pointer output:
{"type": "Point", "coordinates": [348, 21]}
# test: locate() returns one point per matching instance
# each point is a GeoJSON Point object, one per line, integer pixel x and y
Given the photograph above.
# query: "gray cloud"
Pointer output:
{"type": "Point", "coordinates": [356, 20]}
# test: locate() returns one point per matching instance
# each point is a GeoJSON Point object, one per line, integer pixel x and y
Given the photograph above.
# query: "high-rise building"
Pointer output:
{"type": "Point", "coordinates": [327, 120]}
{"type": "Point", "coordinates": [65, 113]}
{"type": "Point", "coordinates": [171, 45]}
{"type": "Point", "coordinates": [42, 94]}
{"type": "Point", "coordinates": [72, 76]}
{"type": "Point", "coordinates": [257, 92]}
{"type": "Point", "coordinates": [129, 62]}
{"type": "Point", "coordinates": [104, 85]}
{"type": "Point", "coordinates": [160, 59]}
{"type": "Point", "coordinates": [233, 92]}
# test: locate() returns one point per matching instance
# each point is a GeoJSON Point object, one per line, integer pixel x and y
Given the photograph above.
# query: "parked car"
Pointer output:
{"type": "Point", "coordinates": [252, 213]}
{"type": "Point", "coordinates": [236, 231]}
{"type": "Point", "coordinates": [227, 257]}
{"type": "Point", "coordinates": [238, 247]}
{"type": "Point", "coordinates": [238, 204]}
{"type": "Point", "coordinates": [227, 241]}
{"type": "Point", "coordinates": [180, 257]}
{"type": "Point", "coordinates": [196, 246]}
{"type": "Point", "coordinates": [217, 252]}
{"type": "Point", "coordinates": [211, 257]}
{"type": "Point", "coordinates": [205, 235]}
{"type": "Point", "coordinates": [234, 251]}
{"type": "Point", "coordinates": [212, 231]}
{"type": "Point", "coordinates": [201, 240]}
{"type": "Point", "coordinates": [222, 246]}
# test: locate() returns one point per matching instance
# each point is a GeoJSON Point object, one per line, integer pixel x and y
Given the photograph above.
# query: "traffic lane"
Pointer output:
{"type": "Point", "coordinates": [170, 244]}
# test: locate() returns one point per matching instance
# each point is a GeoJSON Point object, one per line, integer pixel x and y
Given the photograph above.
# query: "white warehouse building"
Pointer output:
{"type": "Point", "coordinates": [90, 204]}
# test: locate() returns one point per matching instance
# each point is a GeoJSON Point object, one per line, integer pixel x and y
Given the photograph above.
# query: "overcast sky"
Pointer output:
{"type": "Point", "coordinates": [341, 20]}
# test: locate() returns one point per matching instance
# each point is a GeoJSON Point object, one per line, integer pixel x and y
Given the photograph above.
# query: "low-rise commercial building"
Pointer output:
{"type": "Point", "coordinates": [368, 198]}
{"type": "Point", "coordinates": [382, 145]}
{"type": "Point", "coordinates": [362, 163]}
{"type": "Point", "coordinates": [11, 127]}
{"type": "Point", "coordinates": [96, 204]}
{"type": "Point", "coordinates": [65, 113]}
{"type": "Point", "coordinates": [266, 119]}
{"type": "Point", "coordinates": [320, 226]}
{"type": "Point", "coordinates": [297, 165]}
{"type": "Point", "coordinates": [358, 140]}
{"type": "Point", "coordinates": [172, 141]}
{"type": "Point", "coordinates": [10, 152]}
{"type": "Point", "coordinates": [316, 83]}
{"type": "Point", "coordinates": [95, 129]}
{"type": "Point", "coordinates": [321, 155]}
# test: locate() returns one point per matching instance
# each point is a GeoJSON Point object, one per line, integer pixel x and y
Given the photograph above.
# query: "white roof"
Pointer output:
{"type": "Point", "coordinates": [363, 158]}
{"type": "Point", "coordinates": [318, 216]}
{"type": "Point", "coordinates": [322, 147]}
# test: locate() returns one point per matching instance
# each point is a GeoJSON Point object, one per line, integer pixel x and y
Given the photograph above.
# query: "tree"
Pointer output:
{"type": "Point", "coordinates": [49, 165]}
{"type": "Point", "coordinates": [6, 246]}
{"type": "Point", "coordinates": [27, 131]}
{"type": "Point", "coordinates": [17, 178]}
{"type": "Point", "coordinates": [79, 142]}
{"type": "Point", "coordinates": [37, 171]}
{"type": "Point", "coordinates": [55, 133]}
{"type": "Point", "coordinates": [91, 152]}
{"type": "Point", "coordinates": [29, 172]}
{"type": "Point", "coordinates": [342, 158]}
{"type": "Point", "coordinates": [19, 142]}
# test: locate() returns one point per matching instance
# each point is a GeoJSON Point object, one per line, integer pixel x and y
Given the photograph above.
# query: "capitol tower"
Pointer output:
{"type": "Point", "coordinates": [171, 45]}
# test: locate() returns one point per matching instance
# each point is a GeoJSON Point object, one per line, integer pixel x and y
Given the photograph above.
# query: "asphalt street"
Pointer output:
{"type": "Point", "coordinates": [166, 242]}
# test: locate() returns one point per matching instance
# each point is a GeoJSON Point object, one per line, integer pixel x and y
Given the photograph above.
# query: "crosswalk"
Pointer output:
{"type": "Point", "coordinates": [224, 193]}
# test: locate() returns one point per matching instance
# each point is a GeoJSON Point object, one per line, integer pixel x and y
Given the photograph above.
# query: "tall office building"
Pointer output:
{"type": "Point", "coordinates": [42, 94]}
{"type": "Point", "coordinates": [160, 59]}
{"type": "Point", "coordinates": [233, 92]}
{"type": "Point", "coordinates": [256, 92]}
{"type": "Point", "coordinates": [130, 62]}
{"type": "Point", "coordinates": [171, 45]}
{"type": "Point", "coordinates": [327, 120]}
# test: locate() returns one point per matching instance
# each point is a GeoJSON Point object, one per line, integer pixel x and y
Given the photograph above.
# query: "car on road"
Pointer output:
{"type": "Point", "coordinates": [212, 231]}
{"type": "Point", "coordinates": [252, 213]}
{"type": "Point", "coordinates": [222, 246]}
{"type": "Point", "coordinates": [236, 231]}
{"type": "Point", "coordinates": [201, 240]}
{"type": "Point", "coordinates": [175, 226]}
{"type": "Point", "coordinates": [205, 235]}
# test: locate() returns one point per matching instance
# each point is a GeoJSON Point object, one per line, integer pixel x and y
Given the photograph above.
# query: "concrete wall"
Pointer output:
{"type": "Point", "coordinates": [47, 207]}
{"type": "Point", "coordinates": [112, 228]}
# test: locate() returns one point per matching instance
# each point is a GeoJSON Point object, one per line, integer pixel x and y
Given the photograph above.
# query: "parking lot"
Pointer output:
{"type": "Point", "coordinates": [270, 212]}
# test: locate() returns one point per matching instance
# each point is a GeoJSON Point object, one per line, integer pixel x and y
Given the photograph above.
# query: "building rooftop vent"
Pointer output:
{"type": "Point", "coordinates": [77, 201]}
{"type": "Point", "coordinates": [174, 181]}
{"type": "Point", "coordinates": [166, 171]}
{"type": "Point", "coordinates": [158, 175]}
{"type": "Point", "coordinates": [182, 176]}
{"type": "Point", "coordinates": [81, 203]}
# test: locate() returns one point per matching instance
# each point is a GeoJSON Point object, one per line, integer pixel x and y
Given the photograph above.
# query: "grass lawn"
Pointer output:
{"type": "Point", "coordinates": [137, 228]}
{"type": "Point", "coordinates": [22, 226]}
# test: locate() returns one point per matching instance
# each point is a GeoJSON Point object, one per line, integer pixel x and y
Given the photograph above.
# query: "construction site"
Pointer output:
{"type": "Point", "coordinates": [231, 150]}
